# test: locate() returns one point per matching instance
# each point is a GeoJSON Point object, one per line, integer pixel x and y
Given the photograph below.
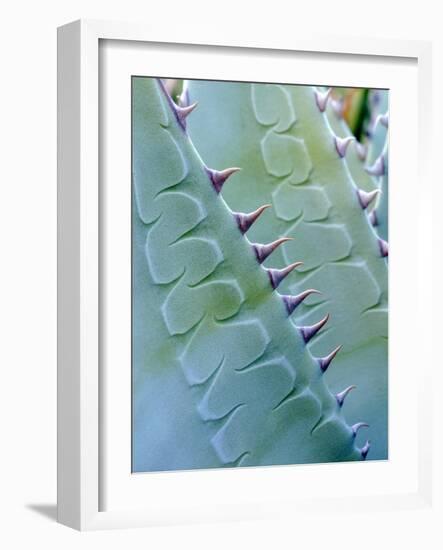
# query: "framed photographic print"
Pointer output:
{"type": "Point", "coordinates": [232, 318]}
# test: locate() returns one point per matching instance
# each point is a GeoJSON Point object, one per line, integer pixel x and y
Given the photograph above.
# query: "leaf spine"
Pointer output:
{"type": "Point", "coordinates": [342, 395]}
{"type": "Point", "coordinates": [291, 302]}
{"type": "Point", "coordinates": [384, 248]}
{"type": "Point", "coordinates": [246, 220]}
{"type": "Point", "coordinates": [365, 450]}
{"type": "Point", "coordinates": [310, 331]}
{"type": "Point", "coordinates": [276, 276]}
{"type": "Point", "coordinates": [378, 168]}
{"type": "Point", "coordinates": [357, 426]}
{"type": "Point", "coordinates": [262, 251]}
{"type": "Point", "coordinates": [321, 98]}
{"type": "Point", "coordinates": [342, 144]}
{"type": "Point", "coordinates": [366, 197]}
{"type": "Point", "coordinates": [219, 177]}
{"type": "Point", "coordinates": [324, 362]}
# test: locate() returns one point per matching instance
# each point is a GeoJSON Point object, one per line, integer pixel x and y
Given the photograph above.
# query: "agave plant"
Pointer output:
{"type": "Point", "coordinates": [246, 343]}
{"type": "Point", "coordinates": [294, 152]}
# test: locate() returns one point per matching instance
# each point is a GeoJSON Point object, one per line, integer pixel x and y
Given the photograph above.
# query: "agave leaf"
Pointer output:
{"type": "Point", "coordinates": [288, 153]}
{"type": "Point", "coordinates": [222, 375]}
{"type": "Point", "coordinates": [378, 158]}
{"type": "Point", "coordinates": [376, 132]}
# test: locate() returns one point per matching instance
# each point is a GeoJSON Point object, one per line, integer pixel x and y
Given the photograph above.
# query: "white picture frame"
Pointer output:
{"type": "Point", "coordinates": [81, 441]}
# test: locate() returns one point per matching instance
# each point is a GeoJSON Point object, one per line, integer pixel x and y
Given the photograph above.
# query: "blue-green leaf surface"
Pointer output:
{"type": "Point", "coordinates": [287, 151]}
{"type": "Point", "coordinates": [221, 373]}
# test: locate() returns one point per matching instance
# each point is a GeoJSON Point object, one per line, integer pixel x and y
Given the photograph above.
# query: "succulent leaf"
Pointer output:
{"type": "Point", "coordinates": [221, 377]}
{"type": "Point", "coordinates": [378, 158]}
{"type": "Point", "coordinates": [291, 161]}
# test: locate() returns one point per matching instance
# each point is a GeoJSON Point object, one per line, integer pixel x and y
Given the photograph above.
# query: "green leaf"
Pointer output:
{"type": "Point", "coordinates": [286, 148]}
{"type": "Point", "coordinates": [221, 374]}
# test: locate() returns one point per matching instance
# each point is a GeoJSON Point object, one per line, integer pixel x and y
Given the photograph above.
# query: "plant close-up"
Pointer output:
{"type": "Point", "coordinates": [260, 274]}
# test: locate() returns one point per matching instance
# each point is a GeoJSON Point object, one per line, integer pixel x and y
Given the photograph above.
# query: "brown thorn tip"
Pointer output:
{"type": "Point", "coordinates": [276, 276]}
{"type": "Point", "coordinates": [309, 332]}
{"type": "Point", "coordinates": [384, 248]}
{"type": "Point", "coordinates": [321, 98]}
{"type": "Point", "coordinates": [262, 251]}
{"type": "Point", "coordinates": [324, 362]}
{"type": "Point", "coordinates": [357, 426]}
{"type": "Point", "coordinates": [342, 144]}
{"type": "Point", "coordinates": [218, 178]}
{"type": "Point", "coordinates": [366, 197]}
{"type": "Point", "coordinates": [244, 221]}
{"type": "Point", "coordinates": [291, 302]}
{"type": "Point", "coordinates": [378, 168]}
{"type": "Point", "coordinates": [365, 450]}
{"type": "Point", "coordinates": [342, 395]}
